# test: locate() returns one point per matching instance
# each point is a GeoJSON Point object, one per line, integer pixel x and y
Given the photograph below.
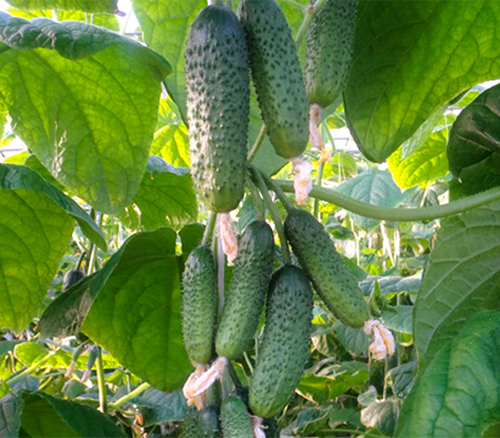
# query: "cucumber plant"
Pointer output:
{"type": "Point", "coordinates": [137, 140]}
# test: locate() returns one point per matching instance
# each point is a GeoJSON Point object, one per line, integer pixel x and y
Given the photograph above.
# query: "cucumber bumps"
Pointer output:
{"type": "Point", "coordinates": [316, 252]}
{"type": "Point", "coordinates": [245, 297]}
{"type": "Point", "coordinates": [199, 305]}
{"type": "Point", "coordinates": [329, 50]}
{"type": "Point", "coordinates": [235, 419]}
{"type": "Point", "coordinates": [285, 347]}
{"type": "Point", "coordinates": [217, 84]}
{"type": "Point", "coordinates": [277, 76]}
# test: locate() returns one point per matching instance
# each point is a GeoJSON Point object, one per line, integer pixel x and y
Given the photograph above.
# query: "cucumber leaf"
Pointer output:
{"type": "Point", "coordinates": [87, 108]}
{"type": "Point", "coordinates": [109, 6]}
{"type": "Point", "coordinates": [458, 394]}
{"type": "Point", "coordinates": [462, 276]}
{"type": "Point", "coordinates": [410, 58]}
{"type": "Point", "coordinates": [10, 415]}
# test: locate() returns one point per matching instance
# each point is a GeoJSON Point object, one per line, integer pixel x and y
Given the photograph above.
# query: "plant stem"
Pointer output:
{"type": "Point", "coordinates": [101, 383]}
{"type": "Point", "coordinates": [257, 143]}
{"type": "Point", "coordinates": [209, 229]}
{"type": "Point", "coordinates": [398, 214]}
{"type": "Point", "coordinates": [259, 180]}
{"type": "Point", "coordinates": [139, 390]}
{"type": "Point", "coordinates": [309, 14]}
{"type": "Point", "coordinates": [319, 180]}
{"type": "Point", "coordinates": [277, 189]}
{"type": "Point", "coordinates": [259, 204]}
{"type": "Point", "coordinates": [13, 379]}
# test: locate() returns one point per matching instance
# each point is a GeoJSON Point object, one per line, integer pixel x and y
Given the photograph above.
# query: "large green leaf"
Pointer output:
{"type": "Point", "coordinates": [34, 235]}
{"type": "Point", "coordinates": [14, 177]}
{"type": "Point", "coordinates": [10, 413]}
{"type": "Point", "coordinates": [474, 147]}
{"type": "Point", "coordinates": [166, 196]}
{"type": "Point", "coordinates": [373, 187]}
{"type": "Point", "coordinates": [462, 276]}
{"type": "Point", "coordinates": [458, 394]}
{"type": "Point", "coordinates": [137, 315]}
{"type": "Point", "coordinates": [410, 58]}
{"type": "Point", "coordinates": [47, 416]}
{"type": "Point", "coordinates": [87, 109]}
{"type": "Point", "coordinates": [67, 5]}
{"type": "Point", "coordinates": [171, 143]}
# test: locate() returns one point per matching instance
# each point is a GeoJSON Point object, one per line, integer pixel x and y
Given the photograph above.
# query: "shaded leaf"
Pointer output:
{"type": "Point", "coordinates": [10, 413]}
{"type": "Point", "coordinates": [136, 316]}
{"type": "Point", "coordinates": [398, 319]}
{"type": "Point", "coordinates": [34, 235]}
{"type": "Point", "coordinates": [410, 58]}
{"type": "Point", "coordinates": [191, 236]}
{"type": "Point", "coordinates": [308, 422]}
{"type": "Point", "coordinates": [381, 415]}
{"type": "Point", "coordinates": [87, 109]}
{"type": "Point", "coordinates": [458, 393]}
{"type": "Point", "coordinates": [13, 177]}
{"type": "Point", "coordinates": [402, 378]}
{"type": "Point", "coordinates": [474, 147]}
{"type": "Point", "coordinates": [462, 276]}
{"type": "Point", "coordinates": [353, 339]}
{"type": "Point", "coordinates": [392, 284]}
{"type": "Point", "coordinates": [374, 187]}
{"type": "Point", "coordinates": [69, 5]}
{"type": "Point", "coordinates": [44, 415]}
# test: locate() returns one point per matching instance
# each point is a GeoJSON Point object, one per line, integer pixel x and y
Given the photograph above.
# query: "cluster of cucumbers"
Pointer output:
{"type": "Point", "coordinates": [223, 49]}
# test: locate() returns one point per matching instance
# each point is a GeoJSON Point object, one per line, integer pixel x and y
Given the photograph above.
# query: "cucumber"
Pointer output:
{"type": "Point", "coordinates": [201, 424]}
{"type": "Point", "coordinates": [285, 346]}
{"type": "Point", "coordinates": [217, 85]}
{"type": "Point", "coordinates": [329, 50]}
{"type": "Point", "coordinates": [235, 419]}
{"type": "Point", "coordinates": [331, 278]}
{"type": "Point", "coordinates": [277, 76]}
{"type": "Point", "coordinates": [72, 277]}
{"type": "Point", "coordinates": [199, 304]}
{"type": "Point", "coordinates": [247, 290]}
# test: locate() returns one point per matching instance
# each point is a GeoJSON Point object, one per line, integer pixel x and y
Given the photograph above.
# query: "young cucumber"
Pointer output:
{"type": "Point", "coordinates": [331, 278]}
{"type": "Point", "coordinates": [285, 347]}
{"type": "Point", "coordinates": [329, 50]}
{"type": "Point", "coordinates": [217, 84]}
{"type": "Point", "coordinates": [235, 419]}
{"type": "Point", "coordinates": [277, 76]}
{"type": "Point", "coordinates": [245, 297]}
{"type": "Point", "coordinates": [199, 304]}
{"type": "Point", "coordinates": [201, 424]}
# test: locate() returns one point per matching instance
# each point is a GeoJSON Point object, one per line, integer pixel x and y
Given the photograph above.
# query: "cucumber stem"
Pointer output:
{"type": "Point", "coordinates": [139, 390]}
{"type": "Point", "coordinates": [101, 382]}
{"type": "Point", "coordinates": [16, 377]}
{"type": "Point", "coordinates": [257, 143]}
{"type": "Point", "coordinates": [285, 253]}
{"type": "Point", "coordinates": [310, 11]}
{"type": "Point", "coordinates": [259, 204]}
{"type": "Point", "coordinates": [397, 214]}
{"type": "Point", "coordinates": [209, 229]}
{"type": "Point", "coordinates": [277, 189]}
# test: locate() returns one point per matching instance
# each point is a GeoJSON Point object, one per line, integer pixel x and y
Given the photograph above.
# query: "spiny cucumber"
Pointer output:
{"type": "Point", "coordinates": [217, 84]}
{"type": "Point", "coordinates": [277, 75]}
{"type": "Point", "coordinates": [331, 278]}
{"type": "Point", "coordinates": [201, 424]}
{"type": "Point", "coordinates": [245, 297]}
{"type": "Point", "coordinates": [329, 50]}
{"type": "Point", "coordinates": [285, 346]}
{"type": "Point", "coordinates": [199, 304]}
{"type": "Point", "coordinates": [235, 419]}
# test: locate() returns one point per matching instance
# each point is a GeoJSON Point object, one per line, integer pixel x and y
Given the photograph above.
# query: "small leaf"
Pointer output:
{"type": "Point", "coordinates": [94, 137]}
{"type": "Point", "coordinates": [462, 276]}
{"type": "Point", "coordinates": [136, 316]}
{"type": "Point", "coordinates": [44, 415]}
{"type": "Point", "coordinates": [381, 415]}
{"type": "Point", "coordinates": [191, 236]}
{"type": "Point", "coordinates": [354, 339]}
{"type": "Point", "coordinates": [391, 284]}
{"type": "Point", "coordinates": [374, 187]}
{"type": "Point", "coordinates": [398, 319]}
{"type": "Point", "coordinates": [34, 235]}
{"type": "Point", "coordinates": [457, 394]}
{"type": "Point", "coordinates": [402, 378]}
{"type": "Point", "coordinates": [409, 61]}
{"type": "Point", "coordinates": [171, 143]}
{"type": "Point", "coordinates": [71, 5]}
{"type": "Point", "coordinates": [10, 415]}
{"type": "Point", "coordinates": [474, 147]}
{"type": "Point", "coordinates": [14, 177]}
{"type": "Point", "coordinates": [308, 422]}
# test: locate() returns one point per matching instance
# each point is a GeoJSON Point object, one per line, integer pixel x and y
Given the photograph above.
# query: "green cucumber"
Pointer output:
{"type": "Point", "coordinates": [245, 298]}
{"type": "Point", "coordinates": [331, 278]}
{"type": "Point", "coordinates": [218, 93]}
{"type": "Point", "coordinates": [235, 420]}
{"type": "Point", "coordinates": [201, 424]}
{"type": "Point", "coordinates": [199, 304]}
{"type": "Point", "coordinates": [277, 76]}
{"type": "Point", "coordinates": [72, 277]}
{"type": "Point", "coordinates": [285, 346]}
{"type": "Point", "coordinates": [329, 50]}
